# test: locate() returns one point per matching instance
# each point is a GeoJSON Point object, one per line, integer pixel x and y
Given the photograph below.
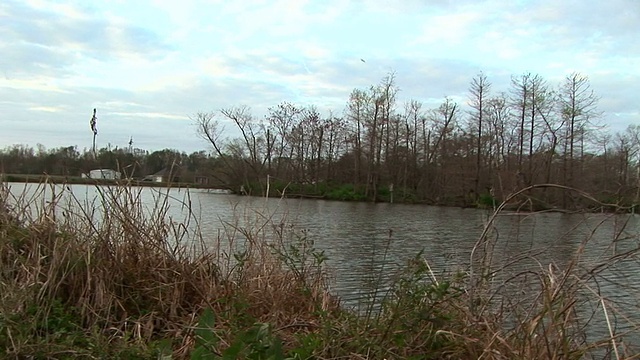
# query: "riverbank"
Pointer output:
{"type": "Point", "coordinates": [62, 180]}
{"type": "Point", "coordinates": [134, 285]}
{"type": "Point", "coordinates": [526, 203]}
{"type": "Point", "coordinates": [526, 200]}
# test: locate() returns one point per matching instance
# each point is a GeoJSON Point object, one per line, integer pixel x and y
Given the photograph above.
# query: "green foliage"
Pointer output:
{"type": "Point", "coordinates": [418, 290]}
{"type": "Point", "coordinates": [53, 322]}
{"type": "Point", "coordinates": [53, 330]}
{"type": "Point", "coordinates": [300, 256]}
{"type": "Point", "coordinates": [257, 343]}
{"type": "Point", "coordinates": [308, 345]}
{"type": "Point", "coordinates": [346, 192]}
{"type": "Point", "coordinates": [487, 200]}
{"type": "Point", "coordinates": [418, 302]}
{"type": "Point", "coordinates": [206, 339]}
{"type": "Point", "coordinates": [384, 191]}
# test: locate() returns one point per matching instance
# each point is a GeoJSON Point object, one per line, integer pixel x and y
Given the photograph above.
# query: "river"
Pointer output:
{"type": "Point", "coordinates": [367, 242]}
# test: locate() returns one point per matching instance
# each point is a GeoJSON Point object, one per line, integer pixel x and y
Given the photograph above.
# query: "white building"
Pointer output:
{"type": "Point", "coordinates": [104, 174]}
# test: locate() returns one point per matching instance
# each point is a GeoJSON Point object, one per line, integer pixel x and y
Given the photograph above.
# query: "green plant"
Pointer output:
{"type": "Point", "coordinates": [346, 192]}
{"type": "Point", "coordinates": [487, 200]}
{"type": "Point", "coordinates": [205, 337]}
{"type": "Point", "coordinates": [297, 252]}
{"type": "Point", "coordinates": [257, 343]}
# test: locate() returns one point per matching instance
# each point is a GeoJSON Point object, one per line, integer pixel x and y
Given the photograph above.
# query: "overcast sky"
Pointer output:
{"type": "Point", "coordinates": [147, 66]}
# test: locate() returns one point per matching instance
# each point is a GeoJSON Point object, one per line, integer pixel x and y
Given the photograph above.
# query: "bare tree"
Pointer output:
{"type": "Point", "coordinates": [283, 118]}
{"type": "Point", "coordinates": [209, 129]}
{"type": "Point", "coordinates": [529, 92]}
{"type": "Point", "coordinates": [579, 107]}
{"type": "Point", "coordinates": [479, 92]}
{"type": "Point", "coordinates": [356, 113]}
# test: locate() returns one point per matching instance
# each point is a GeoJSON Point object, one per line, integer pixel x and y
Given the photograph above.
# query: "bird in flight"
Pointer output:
{"type": "Point", "coordinates": [363, 60]}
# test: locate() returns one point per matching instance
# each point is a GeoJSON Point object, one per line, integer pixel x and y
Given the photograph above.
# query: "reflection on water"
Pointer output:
{"type": "Point", "coordinates": [365, 241]}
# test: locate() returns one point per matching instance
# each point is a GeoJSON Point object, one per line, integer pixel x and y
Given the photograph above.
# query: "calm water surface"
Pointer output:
{"type": "Point", "coordinates": [364, 241]}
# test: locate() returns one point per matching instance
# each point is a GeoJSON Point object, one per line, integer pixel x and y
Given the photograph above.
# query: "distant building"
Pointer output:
{"type": "Point", "coordinates": [104, 174]}
{"type": "Point", "coordinates": [163, 175]}
{"type": "Point", "coordinates": [138, 152]}
{"type": "Point", "coordinates": [201, 180]}
{"type": "Point", "coordinates": [220, 191]}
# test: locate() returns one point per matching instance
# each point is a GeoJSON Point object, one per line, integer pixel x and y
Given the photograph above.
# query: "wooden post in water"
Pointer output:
{"type": "Point", "coordinates": [391, 193]}
{"type": "Point", "coordinates": [268, 186]}
{"type": "Point", "coordinates": [493, 197]}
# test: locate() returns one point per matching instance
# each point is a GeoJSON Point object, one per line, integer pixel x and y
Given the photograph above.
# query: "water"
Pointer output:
{"type": "Point", "coordinates": [367, 242]}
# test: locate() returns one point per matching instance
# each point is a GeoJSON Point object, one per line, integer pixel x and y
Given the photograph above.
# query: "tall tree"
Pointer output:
{"type": "Point", "coordinates": [520, 89]}
{"type": "Point", "coordinates": [479, 92]}
{"type": "Point", "coordinates": [209, 129]}
{"type": "Point", "coordinates": [356, 114]}
{"type": "Point", "coordinates": [283, 118]}
{"type": "Point", "coordinates": [579, 108]}
{"type": "Point", "coordinates": [529, 93]}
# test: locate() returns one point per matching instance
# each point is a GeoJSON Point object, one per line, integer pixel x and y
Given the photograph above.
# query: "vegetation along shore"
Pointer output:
{"type": "Point", "coordinates": [121, 280]}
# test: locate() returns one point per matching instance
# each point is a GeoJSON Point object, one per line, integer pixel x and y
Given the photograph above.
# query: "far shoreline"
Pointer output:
{"type": "Point", "coordinates": [76, 180]}
{"type": "Point", "coordinates": [515, 208]}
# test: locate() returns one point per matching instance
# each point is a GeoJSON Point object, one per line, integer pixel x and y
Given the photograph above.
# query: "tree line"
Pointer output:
{"type": "Point", "coordinates": [532, 133]}
{"type": "Point", "coordinates": [132, 163]}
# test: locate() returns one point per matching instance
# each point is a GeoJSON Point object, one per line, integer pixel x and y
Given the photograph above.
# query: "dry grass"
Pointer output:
{"type": "Point", "coordinates": [118, 279]}
{"type": "Point", "coordinates": [557, 311]}
{"type": "Point", "coordinates": [127, 273]}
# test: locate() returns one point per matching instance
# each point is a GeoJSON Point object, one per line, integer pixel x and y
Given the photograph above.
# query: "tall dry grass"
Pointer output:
{"type": "Point", "coordinates": [119, 272]}
{"type": "Point", "coordinates": [117, 278]}
{"type": "Point", "coordinates": [558, 310]}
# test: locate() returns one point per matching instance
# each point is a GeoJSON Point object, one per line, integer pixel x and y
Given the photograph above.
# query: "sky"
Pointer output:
{"type": "Point", "coordinates": [148, 66]}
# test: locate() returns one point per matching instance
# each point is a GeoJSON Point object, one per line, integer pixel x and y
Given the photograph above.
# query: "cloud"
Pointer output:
{"type": "Point", "coordinates": [50, 109]}
{"type": "Point", "coordinates": [147, 66]}
{"type": "Point", "coordinates": [48, 39]}
{"type": "Point", "coordinates": [562, 27]}
{"type": "Point", "coordinates": [615, 99]}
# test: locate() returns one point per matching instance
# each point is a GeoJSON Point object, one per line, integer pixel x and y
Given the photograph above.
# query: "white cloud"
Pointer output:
{"type": "Point", "coordinates": [150, 115]}
{"type": "Point", "coordinates": [148, 65]}
{"type": "Point", "coordinates": [35, 84]}
{"type": "Point", "coordinates": [51, 109]}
